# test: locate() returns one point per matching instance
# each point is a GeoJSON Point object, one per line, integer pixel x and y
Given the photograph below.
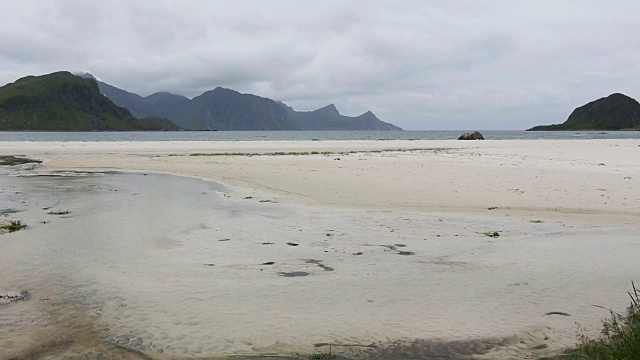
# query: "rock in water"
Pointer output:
{"type": "Point", "coordinates": [471, 136]}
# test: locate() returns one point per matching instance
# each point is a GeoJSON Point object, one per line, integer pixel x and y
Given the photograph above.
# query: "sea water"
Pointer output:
{"type": "Point", "coordinates": [307, 135]}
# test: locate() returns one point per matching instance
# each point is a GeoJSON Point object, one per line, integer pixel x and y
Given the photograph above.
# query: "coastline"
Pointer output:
{"type": "Point", "coordinates": [557, 205]}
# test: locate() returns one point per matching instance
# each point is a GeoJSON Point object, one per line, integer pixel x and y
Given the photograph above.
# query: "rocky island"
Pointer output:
{"type": "Point", "coordinates": [614, 112]}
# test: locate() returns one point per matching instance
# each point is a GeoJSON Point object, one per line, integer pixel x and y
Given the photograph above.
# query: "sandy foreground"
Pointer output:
{"type": "Point", "coordinates": [567, 211]}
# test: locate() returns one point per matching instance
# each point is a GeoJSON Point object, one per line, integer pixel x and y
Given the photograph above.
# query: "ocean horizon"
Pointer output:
{"type": "Point", "coordinates": [100, 136]}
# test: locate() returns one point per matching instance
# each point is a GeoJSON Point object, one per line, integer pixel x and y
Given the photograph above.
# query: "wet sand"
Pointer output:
{"type": "Point", "coordinates": [372, 254]}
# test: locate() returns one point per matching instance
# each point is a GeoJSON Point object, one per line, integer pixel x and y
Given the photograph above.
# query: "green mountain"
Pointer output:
{"type": "Point", "coordinates": [64, 102]}
{"type": "Point", "coordinates": [329, 118]}
{"type": "Point", "coordinates": [226, 109]}
{"type": "Point", "coordinates": [614, 112]}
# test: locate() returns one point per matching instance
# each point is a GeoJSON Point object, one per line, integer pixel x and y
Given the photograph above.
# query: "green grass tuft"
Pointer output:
{"type": "Point", "coordinates": [322, 356]}
{"type": "Point", "coordinates": [14, 226]}
{"type": "Point", "coordinates": [318, 356]}
{"type": "Point", "coordinates": [620, 335]}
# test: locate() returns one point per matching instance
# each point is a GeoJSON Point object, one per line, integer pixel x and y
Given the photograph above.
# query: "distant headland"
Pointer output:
{"type": "Point", "coordinates": [614, 112]}
{"type": "Point", "coordinates": [63, 102]}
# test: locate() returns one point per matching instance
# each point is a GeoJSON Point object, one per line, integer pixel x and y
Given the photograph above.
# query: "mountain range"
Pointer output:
{"type": "Point", "coordinates": [614, 112]}
{"type": "Point", "coordinates": [64, 102]}
{"type": "Point", "coordinates": [226, 109]}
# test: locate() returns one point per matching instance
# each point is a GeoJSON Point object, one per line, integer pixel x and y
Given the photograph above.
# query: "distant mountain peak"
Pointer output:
{"type": "Point", "coordinates": [221, 89]}
{"type": "Point", "coordinates": [171, 93]}
{"type": "Point", "coordinates": [227, 109]}
{"type": "Point", "coordinates": [165, 94]}
{"type": "Point", "coordinates": [85, 75]}
{"type": "Point", "coordinates": [618, 95]}
{"type": "Point", "coordinates": [329, 118]}
{"type": "Point", "coordinates": [330, 109]}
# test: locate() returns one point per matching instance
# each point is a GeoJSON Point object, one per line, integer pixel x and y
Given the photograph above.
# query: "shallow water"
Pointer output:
{"type": "Point", "coordinates": [68, 261]}
{"type": "Point", "coordinates": [169, 266]}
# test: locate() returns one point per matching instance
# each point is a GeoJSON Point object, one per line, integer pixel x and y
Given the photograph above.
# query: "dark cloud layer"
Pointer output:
{"type": "Point", "coordinates": [420, 64]}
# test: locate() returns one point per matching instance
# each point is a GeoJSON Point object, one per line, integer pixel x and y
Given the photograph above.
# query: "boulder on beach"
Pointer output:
{"type": "Point", "coordinates": [471, 136]}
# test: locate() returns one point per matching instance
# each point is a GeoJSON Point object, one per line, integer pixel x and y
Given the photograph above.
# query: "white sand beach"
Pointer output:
{"type": "Point", "coordinates": [391, 248]}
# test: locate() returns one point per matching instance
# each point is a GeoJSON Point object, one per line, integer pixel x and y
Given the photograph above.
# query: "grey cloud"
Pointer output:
{"type": "Point", "coordinates": [422, 65]}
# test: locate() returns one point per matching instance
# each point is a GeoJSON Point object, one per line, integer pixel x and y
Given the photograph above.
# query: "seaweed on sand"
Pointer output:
{"type": "Point", "coordinates": [13, 226]}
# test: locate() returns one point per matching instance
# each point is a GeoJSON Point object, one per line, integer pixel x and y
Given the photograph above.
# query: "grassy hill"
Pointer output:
{"type": "Point", "coordinates": [614, 112]}
{"type": "Point", "coordinates": [62, 101]}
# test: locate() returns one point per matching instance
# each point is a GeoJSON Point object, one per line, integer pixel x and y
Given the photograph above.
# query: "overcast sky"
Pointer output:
{"type": "Point", "coordinates": [419, 64]}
